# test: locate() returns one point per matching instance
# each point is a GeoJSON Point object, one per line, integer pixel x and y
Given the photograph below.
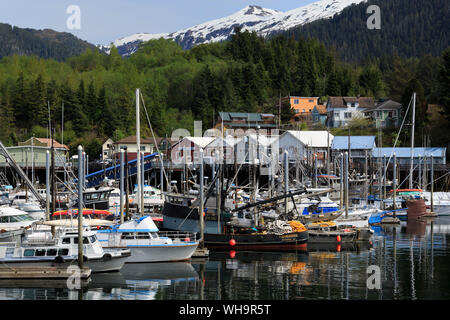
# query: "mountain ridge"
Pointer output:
{"type": "Point", "coordinates": [252, 18]}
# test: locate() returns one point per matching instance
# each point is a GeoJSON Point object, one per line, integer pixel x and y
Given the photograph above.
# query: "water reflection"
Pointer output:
{"type": "Point", "coordinates": [412, 257]}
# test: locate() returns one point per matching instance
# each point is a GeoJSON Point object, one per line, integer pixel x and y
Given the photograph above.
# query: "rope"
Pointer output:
{"type": "Point", "coordinates": [154, 139]}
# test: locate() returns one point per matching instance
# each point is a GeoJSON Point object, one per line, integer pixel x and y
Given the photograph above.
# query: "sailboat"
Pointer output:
{"type": "Point", "coordinates": [141, 235]}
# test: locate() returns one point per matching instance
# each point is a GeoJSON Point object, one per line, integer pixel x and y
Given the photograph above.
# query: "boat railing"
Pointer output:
{"type": "Point", "coordinates": [178, 235]}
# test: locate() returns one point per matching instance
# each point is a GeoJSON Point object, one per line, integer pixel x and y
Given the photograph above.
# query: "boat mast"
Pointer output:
{"type": "Point", "coordinates": [201, 204]}
{"type": "Point", "coordinates": [80, 207]}
{"type": "Point", "coordinates": [412, 141]}
{"type": "Point", "coordinates": [138, 158]}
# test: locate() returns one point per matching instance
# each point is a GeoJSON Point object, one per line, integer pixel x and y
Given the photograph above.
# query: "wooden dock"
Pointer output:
{"type": "Point", "coordinates": [201, 253]}
{"type": "Point", "coordinates": [40, 273]}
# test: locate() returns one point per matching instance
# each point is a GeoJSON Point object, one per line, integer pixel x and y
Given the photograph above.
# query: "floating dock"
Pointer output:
{"type": "Point", "coordinates": [41, 273]}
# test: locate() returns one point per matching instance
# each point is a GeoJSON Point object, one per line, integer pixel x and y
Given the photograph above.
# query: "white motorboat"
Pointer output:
{"type": "Point", "coordinates": [41, 249]}
{"type": "Point", "coordinates": [152, 196]}
{"type": "Point", "coordinates": [27, 202]}
{"type": "Point", "coordinates": [147, 243]}
{"type": "Point", "coordinates": [14, 219]}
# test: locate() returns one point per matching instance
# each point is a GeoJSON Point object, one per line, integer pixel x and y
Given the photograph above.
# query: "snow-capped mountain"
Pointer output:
{"type": "Point", "coordinates": [252, 18]}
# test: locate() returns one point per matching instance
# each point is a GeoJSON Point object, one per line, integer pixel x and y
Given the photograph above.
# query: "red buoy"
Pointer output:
{"type": "Point", "coordinates": [338, 238]}
{"type": "Point", "coordinates": [187, 239]}
{"type": "Point", "coordinates": [232, 242]}
{"type": "Point", "coordinates": [232, 254]}
{"type": "Point", "coordinates": [338, 248]}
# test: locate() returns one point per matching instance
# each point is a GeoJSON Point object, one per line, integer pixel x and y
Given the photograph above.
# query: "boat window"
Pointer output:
{"type": "Point", "coordinates": [142, 235]}
{"type": "Point", "coordinates": [93, 239]}
{"type": "Point", "coordinates": [25, 217]}
{"type": "Point", "coordinates": [103, 196]}
{"type": "Point", "coordinates": [95, 196]}
{"type": "Point", "coordinates": [40, 252]}
{"type": "Point", "coordinates": [154, 235]}
{"type": "Point", "coordinates": [63, 252]}
{"type": "Point", "coordinates": [51, 252]}
{"type": "Point", "coordinates": [248, 216]}
{"type": "Point", "coordinates": [66, 241]}
{"type": "Point", "coordinates": [14, 219]}
{"type": "Point", "coordinates": [4, 219]}
{"type": "Point", "coordinates": [85, 240]}
{"type": "Point", "coordinates": [240, 215]}
{"type": "Point", "coordinates": [127, 235]}
{"type": "Point", "coordinates": [28, 252]}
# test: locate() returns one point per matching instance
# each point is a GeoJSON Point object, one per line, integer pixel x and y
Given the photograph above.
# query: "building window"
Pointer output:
{"type": "Point", "coordinates": [336, 114]}
{"type": "Point", "coordinates": [311, 100]}
{"type": "Point", "coordinates": [347, 115]}
{"type": "Point", "coordinates": [296, 101]}
{"type": "Point", "coordinates": [142, 148]}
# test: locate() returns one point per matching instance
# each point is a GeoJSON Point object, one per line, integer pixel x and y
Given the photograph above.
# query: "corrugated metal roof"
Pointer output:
{"type": "Point", "coordinates": [356, 142]}
{"type": "Point", "coordinates": [201, 141]}
{"type": "Point", "coordinates": [317, 139]}
{"type": "Point", "coordinates": [252, 117]}
{"type": "Point", "coordinates": [405, 152]}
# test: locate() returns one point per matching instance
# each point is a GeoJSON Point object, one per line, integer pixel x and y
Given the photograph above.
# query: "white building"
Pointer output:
{"type": "Point", "coordinates": [303, 145]}
{"type": "Point", "coordinates": [221, 150]}
{"type": "Point", "coordinates": [341, 110]}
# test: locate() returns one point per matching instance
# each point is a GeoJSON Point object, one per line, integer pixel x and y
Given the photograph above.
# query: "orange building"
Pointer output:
{"type": "Point", "coordinates": [303, 107]}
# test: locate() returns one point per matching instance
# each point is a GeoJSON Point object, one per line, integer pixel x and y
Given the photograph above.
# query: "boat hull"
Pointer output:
{"type": "Point", "coordinates": [321, 236]}
{"type": "Point", "coordinates": [289, 241]}
{"type": "Point", "coordinates": [107, 263]}
{"type": "Point", "coordinates": [160, 253]}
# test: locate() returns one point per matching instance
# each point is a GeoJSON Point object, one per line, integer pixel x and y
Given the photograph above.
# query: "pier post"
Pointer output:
{"type": "Point", "coordinates": [286, 180]}
{"type": "Point", "coordinates": [161, 175]}
{"type": "Point", "coordinates": [80, 207]}
{"type": "Point", "coordinates": [432, 183]}
{"type": "Point", "coordinates": [384, 181]}
{"type": "Point", "coordinates": [315, 170]}
{"type": "Point", "coordinates": [341, 182]}
{"type": "Point", "coordinates": [47, 185]}
{"type": "Point", "coordinates": [201, 209]}
{"type": "Point", "coordinates": [141, 196]}
{"type": "Point", "coordinates": [122, 156]}
{"type": "Point", "coordinates": [394, 182]}
{"type": "Point", "coordinates": [346, 184]}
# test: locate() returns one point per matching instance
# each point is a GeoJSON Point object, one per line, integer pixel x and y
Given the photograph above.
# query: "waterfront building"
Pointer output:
{"type": "Point", "coordinates": [303, 145]}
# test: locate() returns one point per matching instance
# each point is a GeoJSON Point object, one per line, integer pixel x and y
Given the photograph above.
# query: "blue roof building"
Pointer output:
{"type": "Point", "coordinates": [356, 142]}
{"type": "Point", "coordinates": [403, 154]}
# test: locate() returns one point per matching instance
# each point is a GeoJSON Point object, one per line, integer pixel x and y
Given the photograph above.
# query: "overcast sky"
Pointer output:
{"type": "Point", "coordinates": [103, 21]}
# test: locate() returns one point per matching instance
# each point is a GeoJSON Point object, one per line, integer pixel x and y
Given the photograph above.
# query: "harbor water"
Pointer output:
{"type": "Point", "coordinates": [411, 261]}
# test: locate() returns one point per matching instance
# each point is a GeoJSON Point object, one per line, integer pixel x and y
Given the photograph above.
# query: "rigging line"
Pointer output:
{"type": "Point", "coordinates": [429, 183]}
{"type": "Point", "coordinates": [414, 168]}
{"type": "Point", "coordinates": [398, 134]}
{"type": "Point", "coordinates": [154, 139]}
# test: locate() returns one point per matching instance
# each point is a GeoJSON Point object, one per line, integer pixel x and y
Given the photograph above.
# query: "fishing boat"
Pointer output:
{"type": "Point", "coordinates": [95, 198]}
{"type": "Point", "coordinates": [330, 232]}
{"type": "Point", "coordinates": [147, 243]}
{"type": "Point", "coordinates": [41, 249]}
{"type": "Point", "coordinates": [230, 230]}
